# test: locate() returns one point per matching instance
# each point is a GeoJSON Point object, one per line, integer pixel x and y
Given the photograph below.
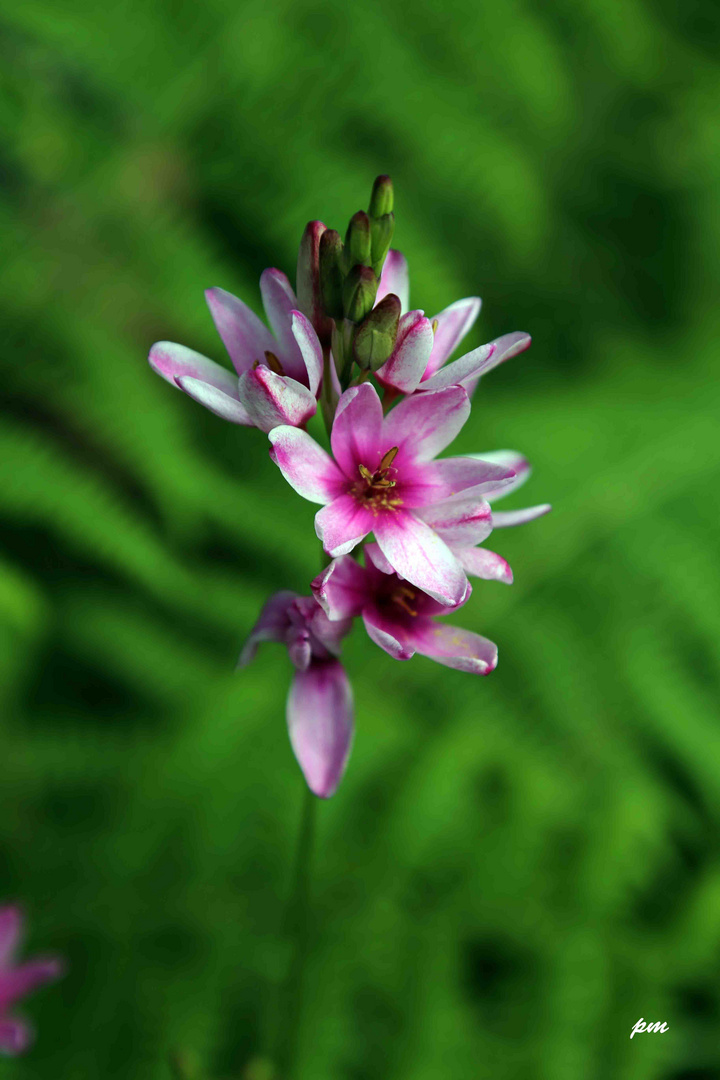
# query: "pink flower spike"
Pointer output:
{"type": "Point", "coordinates": [453, 324]}
{"type": "Point", "coordinates": [319, 705]}
{"type": "Point", "coordinates": [404, 369]}
{"type": "Point", "coordinates": [16, 981]}
{"type": "Point", "coordinates": [395, 279]}
{"type": "Point", "coordinates": [271, 400]}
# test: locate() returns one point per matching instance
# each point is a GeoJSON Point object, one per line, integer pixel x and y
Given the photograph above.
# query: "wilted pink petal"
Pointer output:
{"type": "Point", "coordinates": [453, 323]}
{"type": "Point", "coordinates": [305, 465]}
{"type": "Point", "coordinates": [245, 336]}
{"type": "Point", "coordinates": [16, 981]}
{"type": "Point", "coordinates": [272, 624]}
{"type": "Point", "coordinates": [320, 723]}
{"type": "Point", "coordinates": [405, 368]}
{"type": "Point", "coordinates": [395, 279]}
{"type": "Point", "coordinates": [15, 1036]}
{"type": "Point", "coordinates": [271, 400]}
{"type": "Point", "coordinates": [218, 402]}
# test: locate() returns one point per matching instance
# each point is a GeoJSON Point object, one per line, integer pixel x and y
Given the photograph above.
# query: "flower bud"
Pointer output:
{"type": "Point", "coordinates": [381, 233]}
{"type": "Point", "coordinates": [331, 278]}
{"type": "Point", "coordinates": [308, 279]}
{"type": "Point", "coordinates": [381, 200]}
{"type": "Point", "coordinates": [358, 241]}
{"type": "Point", "coordinates": [376, 335]}
{"type": "Point", "coordinates": [359, 292]}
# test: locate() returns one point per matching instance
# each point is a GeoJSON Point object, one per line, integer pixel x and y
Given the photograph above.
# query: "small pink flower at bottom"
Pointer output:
{"type": "Point", "coordinates": [319, 705]}
{"type": "Point", "coordinates": [18, 980]}
{"type": "Point", "coordinates": [399, 617]}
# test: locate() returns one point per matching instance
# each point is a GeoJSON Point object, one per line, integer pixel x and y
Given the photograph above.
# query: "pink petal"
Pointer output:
{"type": "Point", "coordinates": [473, 364]}
{"type": "Point", "coordinates": [305, 465]}
{"type": "Point", "coordinates": [173, 362]}
{"type": "Point", "coordinates": [454, 647]}
{"type": "Point", "coordinates": [343, 524]}
{"type": "Point", "coordinates": [279, 302]}
{"type": "Point", "coordinates": [310, 349]}
{"type": "Point", "coordinates": [218, 402]}
{"type": "Point", "coordinates": [459, 521]}
{"type": "Point", "coordinates": [479, 562]}
{"type": "Point", "coordinates": [245, 336]}
{"type": "Point", "coordinates": [356, 437]}
{"type": "Point", "coordinates": [506, 347]}
{"type": "Point", "coordinates": [15, 1035]}
{"type": "Point", "coordinates": [374, 555]}
{"type": "Point", "coordinates": [424, 424]}
{"type": "Point", "coordinates": [320, 723]}
{"type": "Point", "coordinates": [503, 519]}
{"type": "Point", "coordinates": [11, 921]}
{"type": "Point", "coordinates": [387, 634]}
{"type": "Point", "coordinates": [511, 459]}
{"type": "Point", "coordinates": [18, 982]}
{"type": "Point", "coordinates": [454, 323]}
{"type": "Point", "coordinates": [411, 354]}
{"type": "Point", "coordinates": [451, 476]}
{"type": "Point", "coordinates": [394, 279]}
{"type": "Point", "coordinates": [272, 625]}
{"type": "Point", "coordinates": [271, 400]}
{"type": "Point", "coordinates": [416, 552]}
{"type": "Point", "coordinates": [341, 589]}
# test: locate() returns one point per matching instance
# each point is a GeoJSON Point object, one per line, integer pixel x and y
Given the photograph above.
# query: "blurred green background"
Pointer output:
{"type": "Point", "coordinates": [515, 869]}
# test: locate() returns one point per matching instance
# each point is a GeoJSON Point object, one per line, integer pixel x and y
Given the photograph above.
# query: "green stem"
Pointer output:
{"type": "Point", "coordinates": [296, 926]}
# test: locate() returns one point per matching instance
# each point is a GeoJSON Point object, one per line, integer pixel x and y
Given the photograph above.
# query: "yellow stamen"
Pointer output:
{"type": "Point", "coordinates": [387, 459]}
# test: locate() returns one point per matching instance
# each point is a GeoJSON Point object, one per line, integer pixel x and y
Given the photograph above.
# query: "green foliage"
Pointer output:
{"type": "Point", "coordinates": [515, 869]}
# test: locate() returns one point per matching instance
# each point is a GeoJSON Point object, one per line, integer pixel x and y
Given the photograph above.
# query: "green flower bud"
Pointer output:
{"type": "Point", "coordinates": [358, 241]}
{"type": "Point", "coordinates": [381, 237]}
{"type": "Point", "coordinates": [381, 200]}
{"type": "Point", "coordinates": [359, 292]}
{"type": "Point", "coordinates": [331, 276]}
{"type": "Point", "coordinates": [376, 335]}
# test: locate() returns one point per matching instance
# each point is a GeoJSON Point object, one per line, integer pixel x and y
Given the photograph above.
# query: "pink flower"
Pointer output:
{"type": "Point", "coordinates": [478, 561]}
{"type": "Point", "coordinates": [400, 618]}
{"type": "Point", "coordinates": [319, 705]}
{"type": "Point", "coordinates": [419, 355]}
{"type": "Point", "coordinates": [277, 377]}
{"type": "Point", "coordinates": [384, 479]}
{"type": "Point", "coordinates": [17, 980]}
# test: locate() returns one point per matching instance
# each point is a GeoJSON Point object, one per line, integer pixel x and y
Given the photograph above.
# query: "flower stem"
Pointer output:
{"type": "Point", "coordinates": [296, 928]}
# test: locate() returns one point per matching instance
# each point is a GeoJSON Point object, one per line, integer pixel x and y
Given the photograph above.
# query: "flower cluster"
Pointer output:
{"type": "Point", "coordinates": [349, 323]}
{"type": "Point", "coordinates": [18, 980]}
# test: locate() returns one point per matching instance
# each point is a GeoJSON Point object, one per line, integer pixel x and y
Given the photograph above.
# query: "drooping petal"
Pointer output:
{"type": "Point", "coordinates": [504, 519]}
{"type": "Point", "coordinates": [15, 1035]}
{"type": "Point", "coordinates": [310, 348]}
{"type": "Point", "coordinates": [19, 981]}
{"type": "Point", "coordinates": [404, 369]}
{"type": "Point", "coordinates": [511, 459]}
{"type": "Point", "coordinates": [479, 562]}
{"type": "Point", "coordinates": [451, 476]}
{"type": "Point", "coordinates": [306, 466]}
{"type": "Point", "coordinates": [272, 625]}
{"type": "Point", "coordinates": [217, 401]}
{"type": "Point", "coordinates": [424, 424]}
{"type": "Point", "coordinates": [341, 589]}
{"type": "Point", "coordinates": [244, 335]}
{"type": "Point", "coordinates": [271, 400]}
{"type": "Point", "coordinates": [307, 282]}
{"type": "Point", "coordinates": [343, 524]}
{"type": "Point", "coordinates": [453, 646]}
{"type": "Point", "coordinates": [473, 364]}
{"type": "Point", "coordinates": [10, 933]}
{"type": "Point", "coordinates": [279, 302]}
{"type": "Point", "coordinates": [173, 362]}
{"type": "Point", "coordinates": [394, 279]}
{"type": "Point", "coordinates": [320, 723]}
{"type": "Point", "coordinates": [416, 552]}
{"type": "Point", "coordinates": [387, 634]}
{"type": "Point", "coordinates": [356, 437]}
{"type": "Point", "coordinates": [459, 521]}
{"type": "Point", "coordinates": [453, 323]}
{"type": "Point", "coordinates": [327, 633]}
{"type": "Point", "coordinates": [506, 347]}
